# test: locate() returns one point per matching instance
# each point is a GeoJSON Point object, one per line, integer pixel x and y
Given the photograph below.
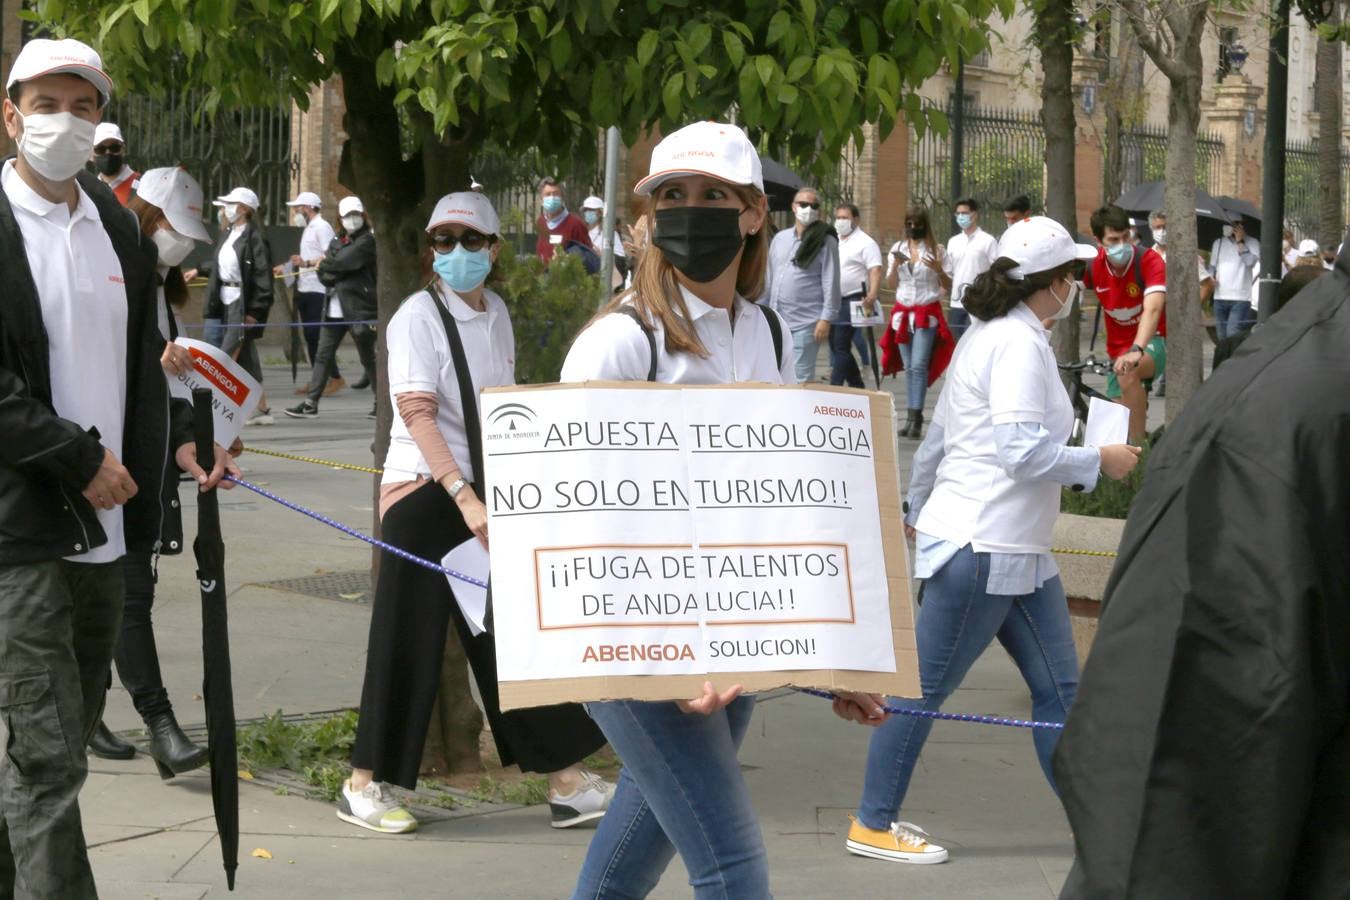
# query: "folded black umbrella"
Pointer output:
{"type": "Point", "coordinates": [217, 688]}
{"type": "Point", "coordinates": [781, 184]}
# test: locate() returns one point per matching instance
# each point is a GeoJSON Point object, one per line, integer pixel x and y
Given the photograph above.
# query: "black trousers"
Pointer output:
{"type": "Point", "coordinates": [136, 655]}
{"type": "Point", "coordinates": [413, 608]}
{"type": "Point", "coordinates": [325, 365]}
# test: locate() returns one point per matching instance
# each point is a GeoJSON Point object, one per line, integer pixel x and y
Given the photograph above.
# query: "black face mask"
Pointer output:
{"type": "Point", "coordinates": [918, 232]}
{"type": "Point", "coordinates": [109, 164]}
{"type": "Point", "coordinates": [699, 241]}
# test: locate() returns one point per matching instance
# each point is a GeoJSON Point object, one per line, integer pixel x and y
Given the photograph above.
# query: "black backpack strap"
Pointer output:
{"type": "Point", "coordinates": [636, 316]}
{"type": "Point", "coordinates": [468, 398]}
{"type": "Point", "coordinates": [776, 332]}
{"type": "Point", "coordinates": [1138, 268]}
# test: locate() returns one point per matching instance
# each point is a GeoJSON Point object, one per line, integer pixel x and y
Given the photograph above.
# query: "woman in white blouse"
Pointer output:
{"type": "Point", "coordinates": [920, 274]}
{"type": "Point", "coordinates": [984, 495]}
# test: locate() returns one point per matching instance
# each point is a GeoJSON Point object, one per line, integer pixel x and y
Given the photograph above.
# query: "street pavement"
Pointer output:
{"type": "Point", "coordinates": [979, 790]}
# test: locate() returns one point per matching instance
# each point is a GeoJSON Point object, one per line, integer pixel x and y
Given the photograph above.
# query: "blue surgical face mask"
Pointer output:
{"type": "Point", "coordinates": [463, 270]}
{"type": "Point", "coordinates": [963, 220]}
{"type": "Point", "coordinates": [1120, 253]}
{"type": "Point", "coordinates": [553, 205]}
{"type": "Point", "coordinates": [591, 216]}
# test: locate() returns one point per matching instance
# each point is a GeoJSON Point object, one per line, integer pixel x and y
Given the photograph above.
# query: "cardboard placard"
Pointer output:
{"type": "Point", "coordinates": [664, 535]}
{"type": "Point", "coordinates": [234, 393]}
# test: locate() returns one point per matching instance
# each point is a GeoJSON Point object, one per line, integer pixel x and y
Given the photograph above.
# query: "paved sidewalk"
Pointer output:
{"type": "Point", "coordinates": [979, 789]}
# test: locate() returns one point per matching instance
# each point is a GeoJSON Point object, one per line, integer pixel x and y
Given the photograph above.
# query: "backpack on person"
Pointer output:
{"type": "Point", "coordinates": [775, 332]}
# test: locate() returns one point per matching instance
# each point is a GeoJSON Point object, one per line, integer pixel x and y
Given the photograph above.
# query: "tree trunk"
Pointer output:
{"type": "Point", "coordinates": [1054, 33]}
{"type": "Point", "coordinates": [1328, 87]}
{"type": "Point", "coordinates": [1184, 331]}
{"type": "Point", "coordinates": [398, 195]}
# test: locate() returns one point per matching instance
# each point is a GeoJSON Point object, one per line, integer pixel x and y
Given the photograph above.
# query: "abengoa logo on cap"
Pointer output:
{"type": "Point", "coordinates": [707, 154]}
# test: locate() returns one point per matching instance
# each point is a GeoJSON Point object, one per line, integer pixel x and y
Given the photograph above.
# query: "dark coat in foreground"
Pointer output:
{"type": "Point", "coordinates": [1208, 752]}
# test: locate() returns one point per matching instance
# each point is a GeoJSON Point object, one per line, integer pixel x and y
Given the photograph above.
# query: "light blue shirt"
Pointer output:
{"type": "Point", "coordinates": [1026, 452]}
{"type": "Point", "coordinates": [555, 222]}
{"type": "Point", "coordinates": [803, 296]}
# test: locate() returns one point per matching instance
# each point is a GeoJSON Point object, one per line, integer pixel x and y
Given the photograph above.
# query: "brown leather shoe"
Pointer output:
{"type": "Point", "coordinates": [334, 385]}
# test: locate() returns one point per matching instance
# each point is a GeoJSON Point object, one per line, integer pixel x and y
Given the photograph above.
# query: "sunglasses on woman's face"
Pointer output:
{"type": "Point", "coordinates": [106, 149]}
{"type": "Point", "coordinates": [470, 240]}
{"type": "Point", "coordinates": [805, 204]}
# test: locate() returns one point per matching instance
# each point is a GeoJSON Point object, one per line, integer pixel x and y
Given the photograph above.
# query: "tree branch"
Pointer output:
{"type": "Point", "coordinates": [1136, 13]}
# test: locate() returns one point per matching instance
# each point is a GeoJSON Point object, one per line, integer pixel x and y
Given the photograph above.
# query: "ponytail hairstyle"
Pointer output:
{"type": "Point", "coordinates": [995, 293]}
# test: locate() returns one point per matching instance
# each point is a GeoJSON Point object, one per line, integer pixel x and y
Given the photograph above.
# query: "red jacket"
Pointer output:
{"type": "Point", "coordinates": [572, 229]}
{"type": "Point", "coordinates": [897, 333]}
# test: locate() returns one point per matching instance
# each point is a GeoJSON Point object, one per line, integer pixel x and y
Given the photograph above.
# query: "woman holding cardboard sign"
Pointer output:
{"type": "Point", "coordinates": [446, 343]}
{"type": "Point", "coordinates": [984, 495]}
{"type": "Point", "coordinates": [689, 319]}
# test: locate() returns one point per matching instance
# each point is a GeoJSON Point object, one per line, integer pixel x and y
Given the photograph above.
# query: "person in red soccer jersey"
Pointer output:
{"type": "Point", "coordinates": [1131, 285]}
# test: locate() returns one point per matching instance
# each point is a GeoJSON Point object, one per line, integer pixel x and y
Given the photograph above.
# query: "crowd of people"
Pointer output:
{"type": "Point", "coordinates": [94, 447]}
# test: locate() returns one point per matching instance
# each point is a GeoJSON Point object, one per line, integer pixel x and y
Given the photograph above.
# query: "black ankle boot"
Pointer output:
{"type": "Point", "coordinates": [909, 423]}
{"type": "Point", "coordinates": [106, 745]}
{"type": "Point", "coordinates": [917, 431]}
{"type": "Point", "coordinates": [173, 753]}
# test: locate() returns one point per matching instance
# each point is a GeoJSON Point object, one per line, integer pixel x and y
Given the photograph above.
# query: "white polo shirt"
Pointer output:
{"type": "Point", "coordinates": [314, 241]}
{"type": "Point", "coordinates": [84, 311]}
{"type": "Point", "coordinates": [615, 349]}
{"type": "Point", "coordinates": [858, 255]}
{"type": "Point", "coordinates": [1004, 373]}
{"type": "Point", "coordinates": [420, 360]}
{"type": "Point", "coordinates": [227, 266]}
{"type": "Point", "coordinates": [970, 256]}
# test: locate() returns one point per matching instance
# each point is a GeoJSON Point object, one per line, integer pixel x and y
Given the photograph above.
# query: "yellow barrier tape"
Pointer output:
{"type": "Point", "coordinates": [1109, 554]}
{"type": "Point", "coordinates": [318, 462]}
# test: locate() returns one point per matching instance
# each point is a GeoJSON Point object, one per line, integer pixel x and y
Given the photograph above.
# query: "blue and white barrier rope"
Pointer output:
{"type": "Point", "coordinates": [198, 326]}
{"type": "Point", "coordinates": [437, 567]}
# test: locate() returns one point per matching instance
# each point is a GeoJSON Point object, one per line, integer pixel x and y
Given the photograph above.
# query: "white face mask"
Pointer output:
{"type": "Point", "coordinates": [353, 222]}
{"type": "Point", "coordinates": [805, 214]}
{"type": "Point", "coordinates": [173, 247]}
{"type": "Point", "coordinates": [844, 227]}
{"type": "Point", "coordinates": [1160, 236]}
{"type": "Point", "coordinates": [231, 212]}
{"type": "Point", "coordinates": [298, 220]}
{"type": "Point", "coordinates": [1228, 231]}
{"type": "Point", "coordinates": [1066, 305]}
{"type": "Point", "coordinates": [56, 145]}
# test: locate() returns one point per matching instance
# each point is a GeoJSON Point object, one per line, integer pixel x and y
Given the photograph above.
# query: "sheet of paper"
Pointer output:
{"type": "Point", "coordinates": [1107, 423]}
{"type": "Point", "coordinates": [234, 393]}
{"type": "Point", "coordinates": [469, 559]}
{"type": "Point", "coordinates": [859, 316]}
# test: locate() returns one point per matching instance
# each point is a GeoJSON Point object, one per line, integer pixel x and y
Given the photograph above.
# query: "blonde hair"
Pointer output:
{"type": "Point", "coordinates": [656, 295]}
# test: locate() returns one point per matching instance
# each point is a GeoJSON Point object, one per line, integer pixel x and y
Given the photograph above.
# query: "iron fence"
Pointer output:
{"type": "Point", "coordinates": [1143, 157]}
{"type": "Point", "coordinates": [1004, 156]}
{"type": "Point", "coordinates": [1303, 188]}
{"type": "Point", "coordinates": [249, 147]}
{"type": "Point", "coordinates": [511, 182]}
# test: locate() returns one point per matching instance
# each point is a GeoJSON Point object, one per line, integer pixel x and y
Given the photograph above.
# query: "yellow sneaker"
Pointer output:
{"type": "Point", "coordinates": [902, 842]}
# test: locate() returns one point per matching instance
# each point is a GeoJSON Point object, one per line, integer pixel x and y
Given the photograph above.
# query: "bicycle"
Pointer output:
{"type": "Point", "coordinates": [1080, 394]}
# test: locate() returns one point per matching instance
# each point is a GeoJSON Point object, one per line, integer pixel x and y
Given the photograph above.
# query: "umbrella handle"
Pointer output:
{"type": "Point", "coordinates": [204, 428]}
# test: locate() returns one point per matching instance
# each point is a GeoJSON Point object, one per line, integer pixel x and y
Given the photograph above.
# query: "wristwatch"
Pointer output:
{"type": "Point", "coordinates": [1134, 348]}
{"type": "Point", "coordinates": [455, 487]}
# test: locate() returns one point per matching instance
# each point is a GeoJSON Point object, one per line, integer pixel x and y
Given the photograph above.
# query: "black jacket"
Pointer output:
{"type": "Point", "coordinates": [255, 276]}
{"type": "Point", "coordinates": [350, 267]}
{"type": "Point", "coordinates": [1208, 751]}
{"type": "Point", "coordinates": [45, 460]}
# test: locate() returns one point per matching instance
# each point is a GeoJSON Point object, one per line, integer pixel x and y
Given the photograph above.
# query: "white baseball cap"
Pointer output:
{"type": "Point", "coordinates": [1308, 247]}
{"type": "Point", "coordinates": [238, 195]}
{"type": "Point", "coordinates": [42, 56]}
{"type": "Point", "coordinates": [179, 195]}
{"type": "Point", "coordinates": [306, 198]}
{"type": "Point", "coordinates": [1039, 244]}
{"type": "Point", "coordinates": [592, 202]}
{"type": "Point", "coordinates": [468, 208]}
{"type": "Point", "coordinates": [714, 149]}
{"type": "Point", "coordinates": [107, 131]}
{"type": "Point", "coordinates": [350, 205]}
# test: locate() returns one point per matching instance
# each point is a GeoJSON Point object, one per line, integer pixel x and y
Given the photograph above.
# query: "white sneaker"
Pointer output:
{"type": "Point", "coordinates": [586, 804]}
{"type": "Point", "coordinates": [260, 418]}
{"type": "Point", "coordinates": [902, 842]}
{"type": "Point", "coordinates": [373, 807]}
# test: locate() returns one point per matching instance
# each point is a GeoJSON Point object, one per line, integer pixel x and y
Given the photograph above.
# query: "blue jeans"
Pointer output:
{"type": "Point", "coordinates": [915, 356]}
{"type": "Point", "coordinates": [958, 320]}
{"type": "Point", "coordinates": [863, 345]}
{"type": "Point", "coordinates": [957, 620]}
{"type": "Point", "coordinates": [843, 367]}
{"type": "Point", "coordinates": [804, 353]}
{"type": "Point", "coordinates": [1232, 317]}
{"type": "Point", "coordinates": [681, 789]}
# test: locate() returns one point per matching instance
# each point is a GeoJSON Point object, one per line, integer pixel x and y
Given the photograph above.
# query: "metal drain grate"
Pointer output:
{"type": "Point", "coordinates": [347, 587]}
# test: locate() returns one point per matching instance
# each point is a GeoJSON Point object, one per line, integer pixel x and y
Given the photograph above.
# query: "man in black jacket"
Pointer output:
{"type": "Point", "coordinates": [1208, 751]}
{"type": "Point", "coordinates": [85, 419]}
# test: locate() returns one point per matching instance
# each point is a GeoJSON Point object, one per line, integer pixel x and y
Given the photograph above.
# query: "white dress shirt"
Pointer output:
{"type": "Point", "coordinates": [420, 360]}
{"type": "Point", "coordinates": [918, 284]}
{"type": "Point", "coordinates": [615, 349]}
{"type": "Point", "coordinates": [227, 266]}
{"type": "Point", "coordinates": [1234, 267]}
{"type": "Point", "coordinates": [314, 241]}
{"type": "Point", "coordinates": [84, 311]}
{"type": "Point", "coordinates": [969, 257]}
